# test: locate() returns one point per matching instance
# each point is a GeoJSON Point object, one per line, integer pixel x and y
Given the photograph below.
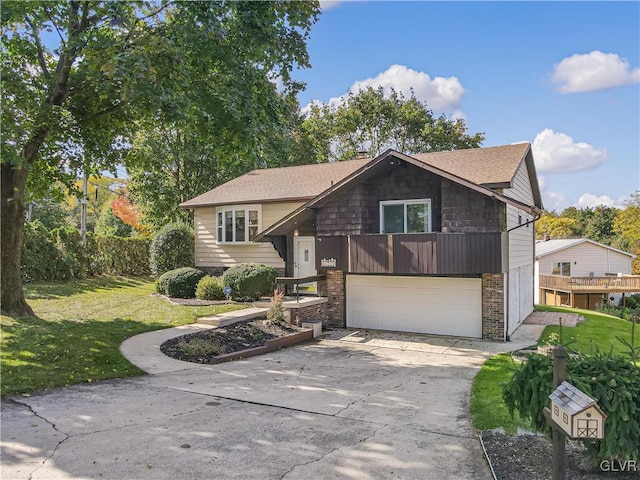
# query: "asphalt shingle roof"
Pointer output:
{"type": "Point", "coordinates": [483, 166]}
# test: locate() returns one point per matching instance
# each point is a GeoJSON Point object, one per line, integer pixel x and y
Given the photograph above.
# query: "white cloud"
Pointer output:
{"type": "Point", "coordinates": [558, 153]}
{"type": "Point", "coordinates": [329, 4]}
{"type": "Point", "coordinates": [588, 200]}
{"type": "Point", "coordinates": [442, 95]}
{"type": "Point", "coordinates": [554, 201]}
{"type": "Point", "coordinates": [593, 71]}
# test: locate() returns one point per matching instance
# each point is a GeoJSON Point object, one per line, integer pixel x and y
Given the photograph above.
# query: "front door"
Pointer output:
{"type": "Point", "coordinates": [304, 265]}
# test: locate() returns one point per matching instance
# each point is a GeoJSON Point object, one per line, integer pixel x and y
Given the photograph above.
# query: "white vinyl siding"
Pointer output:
{"type": "Point", "coordinates": [521, 240]}
{"type": "Point", "coordinates": [209, 253]}
{"type": "Point", "coordinates": [587, 258]}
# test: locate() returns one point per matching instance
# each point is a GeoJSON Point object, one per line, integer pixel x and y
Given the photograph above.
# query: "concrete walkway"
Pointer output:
{"type": "Point", "coordinates": [554, 318]}
{"type": "Point", "coordinates": [354, 405]}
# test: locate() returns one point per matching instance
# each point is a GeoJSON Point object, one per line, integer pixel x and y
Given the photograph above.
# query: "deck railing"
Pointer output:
{"type": "Point", "coordinates": [626, 283]}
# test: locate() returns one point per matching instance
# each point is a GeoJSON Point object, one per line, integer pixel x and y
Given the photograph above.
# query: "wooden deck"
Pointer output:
{"type": "Point", "coordinates": [607, 284]}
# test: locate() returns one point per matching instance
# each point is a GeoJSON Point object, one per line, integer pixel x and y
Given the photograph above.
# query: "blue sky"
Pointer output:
{"type": "Point", "coordinates": [563, 76]}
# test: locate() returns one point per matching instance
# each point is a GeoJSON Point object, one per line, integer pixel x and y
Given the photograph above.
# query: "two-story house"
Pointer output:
{"type": "Point", "coordinates": [438, 243]}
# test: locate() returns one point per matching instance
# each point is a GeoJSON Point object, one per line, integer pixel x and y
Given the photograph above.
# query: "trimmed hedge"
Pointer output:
{"type": "Point", "coordinates": [60, 255]}
{"type": "Point", "coordinates": [180, 283]}
{"type": "Point", "coordinates": [210, 288]}
{"type": "Point", "coordinates": [250, 281]}
{"type": "Point", "coordinates": [172, 247]}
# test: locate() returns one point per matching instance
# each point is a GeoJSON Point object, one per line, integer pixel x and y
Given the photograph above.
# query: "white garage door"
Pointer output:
{"type": "Point", "coordinates": [442, 306]}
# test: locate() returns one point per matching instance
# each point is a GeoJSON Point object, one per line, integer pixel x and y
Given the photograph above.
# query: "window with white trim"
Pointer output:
{"type": "Point", "coordinates": [405, 216]}
{"type": "Point", "coordinates": [237, 224]}
{"type": "Point", "coordinates": [561, 268]}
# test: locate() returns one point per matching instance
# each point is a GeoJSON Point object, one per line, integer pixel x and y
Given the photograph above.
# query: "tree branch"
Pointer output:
{"type": "Point", "coordinates": [41, 59]}
{"type": "Point", "coordinates": [153, 14]}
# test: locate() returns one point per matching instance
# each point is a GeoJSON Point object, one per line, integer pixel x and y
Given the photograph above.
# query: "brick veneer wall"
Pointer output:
{"type": "Point", "coordinates": [312, 312]}
{"type": "Point", "coordinates": [335, 294]}
{"type": "Point", "coordinates": [493, 307]}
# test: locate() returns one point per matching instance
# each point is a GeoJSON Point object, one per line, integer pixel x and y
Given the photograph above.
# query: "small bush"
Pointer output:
{"type": "Point", "coordinates": [172, 247]}
{"type": "Point", "coordinates": [180, 283]}
{"type": "Point", "coordinates": [250, 281]}
{"type": "Point", "coordinates": [611, 380]}
{"type": "Point", "coordinates": [276, 309]}
{"type": "Point", "coordinates": [39, 253]}
{"type": "Point", "coordinates": [210, 288]}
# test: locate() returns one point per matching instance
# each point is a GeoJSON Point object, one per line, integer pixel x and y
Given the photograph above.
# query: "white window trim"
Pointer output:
{"type": "Point", "coordinates": [405, 203]}
{"type": "Point", "coordinates": [561, 262]}
{"type": "Point", "coordinates": [234, 208]}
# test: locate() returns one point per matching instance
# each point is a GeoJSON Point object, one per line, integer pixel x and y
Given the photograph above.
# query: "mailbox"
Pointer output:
{"type": "Point", "coordinates": [576, 412]}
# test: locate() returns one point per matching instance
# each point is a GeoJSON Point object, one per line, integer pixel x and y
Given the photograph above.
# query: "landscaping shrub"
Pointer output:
{"type": "Point", "coordinates": [180, 283]}
{"type": "Point", "coordinates": [118, 255]}
{"type": "Point", "coordinates": [250, 281]}
{"type": "Point", "coordinates": [60, 255]}
{"type": "Point", "coordinates": [72, 260]}
{"type": "Point", "coordinates": [210, 288]}
{"type": "Point", "coordinates": [172, 247]}
{"type": "Point", "coordinates": [39, 253]}
{"type": "Point", "coordinates": [276, 309]}
{"type": "Point", "coordinates": [612, 380]}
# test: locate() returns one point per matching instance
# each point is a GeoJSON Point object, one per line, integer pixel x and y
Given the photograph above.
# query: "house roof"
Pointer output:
{"type": "Point", "coordinates": [571, 399]}
{"type": "Point", "coordinates": [492, 167]}
{"type": "Point", "coordinates": [551, 246]}
{"type": "Point", "coordinates": [390, 156]}
{"type": "Point", "coordinates": [273, 184]}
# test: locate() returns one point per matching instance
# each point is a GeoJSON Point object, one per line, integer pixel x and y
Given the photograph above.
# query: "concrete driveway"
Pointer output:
{"type": "Point", "coordinates": [354, 405]}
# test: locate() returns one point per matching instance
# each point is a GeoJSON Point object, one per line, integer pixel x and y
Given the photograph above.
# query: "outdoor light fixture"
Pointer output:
{"type": "Point", "coordinates": [296, 233]}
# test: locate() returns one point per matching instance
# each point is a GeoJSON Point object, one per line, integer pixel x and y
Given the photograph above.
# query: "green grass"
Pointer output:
{"type": "Point", "coordinates": [598, 331]}
{"type": "Point", "coordinates": [78, 328]}
{"type": "Point", "coordinates": [488, 410]}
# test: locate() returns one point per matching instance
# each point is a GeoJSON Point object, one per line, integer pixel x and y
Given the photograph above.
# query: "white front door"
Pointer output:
{"type": "Point", "coordinates": [304, 263]}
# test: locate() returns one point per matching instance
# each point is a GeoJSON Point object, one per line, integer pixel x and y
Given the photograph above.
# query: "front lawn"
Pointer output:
{"type": "Point", "coordinates": [598, 331]}
{"type": "Point", "coordinates": [78, 329]}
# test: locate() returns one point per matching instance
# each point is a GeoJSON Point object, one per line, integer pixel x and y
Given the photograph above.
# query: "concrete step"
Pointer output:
{"type": "Point", "coordinates": [229, 318]}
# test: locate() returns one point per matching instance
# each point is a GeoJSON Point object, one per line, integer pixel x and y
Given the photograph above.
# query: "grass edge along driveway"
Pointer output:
{"type": "Point", "coordinates": [78, 328]}
{"type": "Point", "coordinates": [598, 331]}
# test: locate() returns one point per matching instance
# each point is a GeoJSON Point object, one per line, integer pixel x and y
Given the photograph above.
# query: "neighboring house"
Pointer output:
{"type": "Point", "coordinates": [438, 243]}
{"type": "Point", "coordinates": [581, 273]}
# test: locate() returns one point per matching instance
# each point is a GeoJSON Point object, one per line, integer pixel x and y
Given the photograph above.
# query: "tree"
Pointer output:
{"type": "Point", "coordinates": [373, 121]}
{"type": "Point", "coordinates": [72, 106]}
{"type": "Point", "coordinates": [110, 224]}
{"type": "Point", "coordinates": [556, 227]}
{"type": "Point", "coordinates": [600, 225]}
{"type": "Point", "coordinates": [626, 226]}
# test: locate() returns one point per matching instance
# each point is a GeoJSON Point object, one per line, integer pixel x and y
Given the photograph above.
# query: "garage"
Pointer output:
{"type": "Point", "coordinates": [436, 305]}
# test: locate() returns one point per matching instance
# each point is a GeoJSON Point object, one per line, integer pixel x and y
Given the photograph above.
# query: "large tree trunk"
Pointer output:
{"type": "Point", "coordinates": [13, 183]}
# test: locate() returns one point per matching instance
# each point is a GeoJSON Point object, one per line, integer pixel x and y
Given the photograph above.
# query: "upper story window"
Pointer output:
{"type": "Point", "coordinates": [561, 268]}
{"type": "Point", "coordinates": [238, 224]}
{"type": "Point", "coordinates": [405, 216]}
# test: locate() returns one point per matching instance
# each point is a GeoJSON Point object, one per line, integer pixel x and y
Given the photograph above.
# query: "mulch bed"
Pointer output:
{"type": "Point", "coordinates": [234, 338]}
{"type": "Point", "coordinates": [191, 302]}
{"type": "Point", "coordinates": [528, 457]}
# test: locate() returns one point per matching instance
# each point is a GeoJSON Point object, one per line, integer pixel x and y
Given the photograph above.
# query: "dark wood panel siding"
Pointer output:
{"type": "Point", "coordinates": [471, 253]}
{"type": "Point", "coordinates": [332, 247]}
{"type": "Point", "coordinates": [369, 254]}
{"type": "Point", "coordinates": [415, 253]}
{"type": "Point", "coordinates": [466, 211]}
{"type": "Point", "coordinates": [428, 254]}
